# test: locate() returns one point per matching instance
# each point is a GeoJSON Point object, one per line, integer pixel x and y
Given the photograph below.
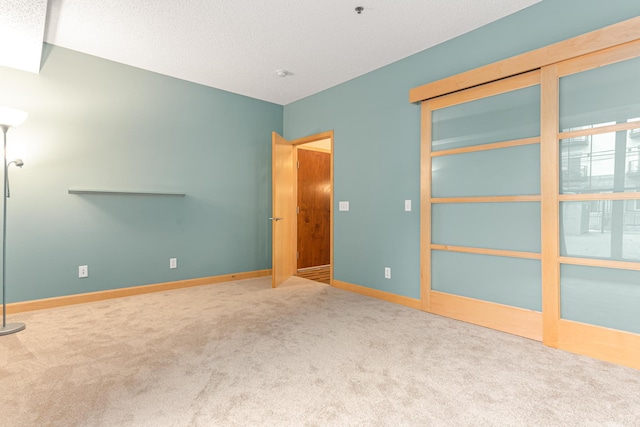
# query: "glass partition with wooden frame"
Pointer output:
{"type": "Point", "coordinates": [598, 150]}
{"type": "Point", "coordinates": [482, 195]}
{"type": "Point", "coordinates": [530, 195]}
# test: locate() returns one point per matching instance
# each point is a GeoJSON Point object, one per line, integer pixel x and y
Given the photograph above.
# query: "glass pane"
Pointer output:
{"type": "Point", "coordinates": [510, 171]}
{"type": "Point", "coordinates": [511, 115]}
{"type": "Point", "coordinates": [601, 163]}
{"type": "Point", "coordinates": [604, 95]}
{"type": "Point", "coordinates": [601, 296]}
{"type": "Point", "coordinates": [510, 226]}
{"type": "Point", "coordinates": [509, 281]}
{"type": "Point", "coordinates": [607, 229]}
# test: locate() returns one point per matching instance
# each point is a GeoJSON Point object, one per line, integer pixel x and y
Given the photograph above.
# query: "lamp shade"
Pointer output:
{"type": "Point", "coordinates": [11, 117]}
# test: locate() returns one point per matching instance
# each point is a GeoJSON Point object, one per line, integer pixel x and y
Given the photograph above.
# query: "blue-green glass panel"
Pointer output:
{"type": "Point", "coordinates": [601, 96]}
{"type": "Point", "coordinates": [509, 226]}
{"type": "Point", "coordinates": [601, 163]}
{"type": "Point", "coordinates": [608, 229]}
{"type": "Point", "coordinates": [601, 296]}
{"type": "Point", "coordinates": [510, 281]}
{"type": "Point", "coordinates": [504, 117]}
{"type": "Point", "coordinates": [510, 171]}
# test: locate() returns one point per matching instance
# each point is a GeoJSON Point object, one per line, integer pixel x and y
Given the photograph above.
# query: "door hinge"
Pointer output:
{"type": "Point", "coordinates": [298, 164]}
{"type": "Point", "coordinates": [297, 255]}
{"type": "Point", "coordinates": [298, 210]}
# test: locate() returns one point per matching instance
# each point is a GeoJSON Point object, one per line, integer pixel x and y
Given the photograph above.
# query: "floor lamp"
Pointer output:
{"type": "Point", "coordinates": [9, 118]}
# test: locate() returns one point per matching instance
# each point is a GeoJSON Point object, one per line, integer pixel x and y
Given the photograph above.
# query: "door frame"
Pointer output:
{"type": "Point", "coordinates": [302, 141]}
{"type": "Point", "coordinates": [330, 152]}
{"type": "Point", "coordinates": [294, 237]}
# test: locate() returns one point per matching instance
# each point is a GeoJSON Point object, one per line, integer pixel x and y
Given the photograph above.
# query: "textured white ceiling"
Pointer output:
{"type": "Point", "coordinates": [21, 32]}
{"type": "Point", "coordinates": [237, 45]}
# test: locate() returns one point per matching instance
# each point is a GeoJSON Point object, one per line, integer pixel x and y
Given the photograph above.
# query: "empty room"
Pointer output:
{"type": "Point", "coordinates": [237, 213]}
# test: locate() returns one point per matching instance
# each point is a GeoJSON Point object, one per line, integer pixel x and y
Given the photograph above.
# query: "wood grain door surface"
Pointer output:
{"type": "Point", "coordinates": [284, 213]}
{"type": "Point", "coordinates": [314, 203]}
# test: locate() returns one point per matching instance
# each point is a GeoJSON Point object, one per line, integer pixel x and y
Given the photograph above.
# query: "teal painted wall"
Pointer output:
{"type": "Point", "coordinates": [98, 124]}
{"type": "Point", "coordinates": [377, 134]}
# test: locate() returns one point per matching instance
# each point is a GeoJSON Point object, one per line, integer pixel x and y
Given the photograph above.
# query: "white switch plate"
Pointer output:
{"type": "Point", "coordinates": [407, 205]}
{"type": "Point", "coordinates": [173, 262]}
{"type": "Point", "coordinates": [343, 206]}
{"type": "Point", "coordinates": [83, 271]}
{"type": "Point", "coordinates": [387, 272]}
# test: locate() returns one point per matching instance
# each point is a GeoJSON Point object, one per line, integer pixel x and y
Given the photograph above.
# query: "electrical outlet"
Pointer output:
{"type": "Point", "coordinates": [83, 271]}
{"type": "Point", "coordinates": [387, 272]}
{"type": "Point", "coordinates": [173, 262]}
{"type": "Point", "coordinates": [407, 205]}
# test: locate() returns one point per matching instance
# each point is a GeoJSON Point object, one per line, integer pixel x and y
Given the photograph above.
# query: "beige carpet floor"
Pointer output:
{"type": "Point", "coordinates": [243, 354]}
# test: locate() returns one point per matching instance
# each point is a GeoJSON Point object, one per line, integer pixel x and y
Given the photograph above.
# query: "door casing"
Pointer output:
{"type": "Point", "coordinates": [314, 207]}
{"type": "Point", "coordinates": [287, 236]}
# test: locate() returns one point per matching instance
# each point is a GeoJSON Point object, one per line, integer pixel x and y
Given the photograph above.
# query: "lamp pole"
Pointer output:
{"type": "Point", "coordinates": [11, 327]}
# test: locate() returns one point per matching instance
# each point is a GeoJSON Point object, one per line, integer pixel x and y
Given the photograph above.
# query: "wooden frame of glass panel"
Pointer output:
{"type": "Point", "coordinates": [596, 341]}
{"type": "Point", "coordinates": [515, 320]}
{"type": "Point", "coordinates": [599, 48]}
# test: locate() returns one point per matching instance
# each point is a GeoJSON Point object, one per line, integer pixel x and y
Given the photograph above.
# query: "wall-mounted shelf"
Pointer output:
{"type": "Point", "coordinates": [122, 192]}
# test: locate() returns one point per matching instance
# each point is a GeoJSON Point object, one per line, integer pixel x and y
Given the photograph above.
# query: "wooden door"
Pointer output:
{"type": "Point", "coordinates": [314, 204]}
{"type": "Point", "coordinates": [283, 209]}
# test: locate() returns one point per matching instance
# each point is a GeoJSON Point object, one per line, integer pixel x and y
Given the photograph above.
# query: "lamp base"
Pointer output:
{"type": "Point", "coordinates": [12, 328]}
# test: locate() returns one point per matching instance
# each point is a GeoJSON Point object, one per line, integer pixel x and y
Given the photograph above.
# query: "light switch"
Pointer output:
{"type": "Point", "coordinates": [407, 205]}
{"type": "Point", "coordinates": [343, 206]}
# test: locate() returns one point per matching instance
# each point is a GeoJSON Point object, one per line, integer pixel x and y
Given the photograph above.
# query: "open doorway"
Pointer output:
{"type": "Point", "coordinates": [285, 207]}
{"type": "Point", "coordinates": [314, 201]}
